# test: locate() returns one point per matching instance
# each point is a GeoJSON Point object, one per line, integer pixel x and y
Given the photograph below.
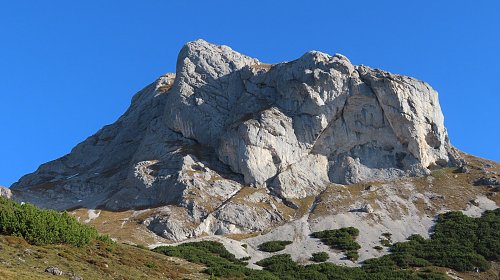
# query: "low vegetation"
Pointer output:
{"type": "Point", "coordinates": [352, 255]}
{"type": "Point", "coordinates": [284, 267]}
{"type": "Point", "coordinates": [320, 257]}
{"type": "Point", "coordinates": [97, 260]}
{"type": "Point", "coordinates": [274, 246]}
{"type": "Point", "coordinates": [41, 227]}
{"type": "Point", "coordinates": [222, 264]}
{"type": "Point", "coordinates": [219, 261]}
{"type": "Point", "coordinates": [343, 239]}
{"type": "Point", "coordinates": [458, 242]}
{"type": "Point", "coordinates": [385, 242]}
{"type": "Point", "coordinates": [32, 239]}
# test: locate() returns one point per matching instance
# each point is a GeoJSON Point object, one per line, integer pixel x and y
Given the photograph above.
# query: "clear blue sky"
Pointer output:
{"type": "Point", "coordinates": [69, 67]}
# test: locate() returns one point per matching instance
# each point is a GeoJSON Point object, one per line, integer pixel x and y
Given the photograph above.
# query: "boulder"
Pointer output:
{"type": "Point", "coordinates": [54, 270]}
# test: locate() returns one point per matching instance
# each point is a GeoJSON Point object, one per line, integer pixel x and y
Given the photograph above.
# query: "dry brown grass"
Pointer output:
{"type": "Point", "coordinates": [241, 236]}
{"type": "Point", "coordinates": [19, 260]}
{"type": "Point", "coordinates": [491, 274]}
{"type": "Point", "coordinates": [123, 226]}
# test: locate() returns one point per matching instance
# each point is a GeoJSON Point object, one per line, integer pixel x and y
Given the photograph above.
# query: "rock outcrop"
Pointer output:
{"type": "Point", "coordinates": [5, 192]}
{"type": "Point", "coordinates": [190, 141]}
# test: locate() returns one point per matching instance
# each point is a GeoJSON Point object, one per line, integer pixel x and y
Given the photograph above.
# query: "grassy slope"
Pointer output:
{"type": "Point", "coordinates": [19, 260]}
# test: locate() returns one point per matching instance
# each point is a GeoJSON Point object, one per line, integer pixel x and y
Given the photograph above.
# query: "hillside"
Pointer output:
{"type": "Point", "coordinates": [403, 207]}
{"type": "Point", "coordinates": [33, 240]}
{"type": "Point", "coordinates": [21, 261]}
{"type": "Point", "coordinates": [458, 242]}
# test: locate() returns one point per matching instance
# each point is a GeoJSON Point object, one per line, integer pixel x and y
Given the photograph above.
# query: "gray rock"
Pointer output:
{"type": "Point", "coordinates": [5, 192]}
{"type": "Point", "coordinates": [463, 169]}
{"type": "Point", "coordinates": [54, 270]}
{"type": "Point", "coordinates": [487, 181]}
{"type": "Point", "coordinates": [367, 208]}
{"type": "Point", "coordinates": [73, 276]}
{"type": "Point", "coordinates": [239, 217]}
{"type": "Point", "coordinates": [191, 141]}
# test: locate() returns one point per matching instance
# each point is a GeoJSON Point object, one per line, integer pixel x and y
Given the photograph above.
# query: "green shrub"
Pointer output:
{"type": "Point", "coordinates": [378, 248]}
{"type": "Point", "coordinates": [285, 268]}
{"type": "Point", "coordinates": [352, 255]}
{"type": "Point", "coordinates": [221, 263]}
{"type": "Point", "coordinates": [387, 235]}
{"type": "Point", "coordinates": [385, 242]}
{"type": "Point", "coordinates": [151, 265]}
{"type": "Point", "coordinates": [40, 227]}
{"type": "Point", "coordinates": [340, 239]}
{"type": "Point", "coordinates": [320, 257]}
{"type": "Point", "coordinates": [343, 239]}
{"type": "Point", "coordinates": [458, 242]}
{"type": "Point", "coordinates": [274, 246]}
{"type": "Point", "coordinates": [216, 258]}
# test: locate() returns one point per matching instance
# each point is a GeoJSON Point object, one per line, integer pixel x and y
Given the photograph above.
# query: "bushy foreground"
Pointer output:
{"type": "Point", "coordinates": [218, 260]}
{"type": "Point", "coordinates": [458, 242]}
{"type": "Point", "coordinates": [284, 267]}
{"type": "Point", "coordinates": [41, 227]}
{"type": "Point", "coordinates": [221, 263]}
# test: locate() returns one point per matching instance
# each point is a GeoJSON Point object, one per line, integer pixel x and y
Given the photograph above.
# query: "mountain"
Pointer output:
{"type": "Point", "coordinates": [234, 147]}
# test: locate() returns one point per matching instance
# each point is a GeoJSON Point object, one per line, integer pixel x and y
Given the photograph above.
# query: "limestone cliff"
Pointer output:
{"type": "Point", "coordinates": [191, 141]}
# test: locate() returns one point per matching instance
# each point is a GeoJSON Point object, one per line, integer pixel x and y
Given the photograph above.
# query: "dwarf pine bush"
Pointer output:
{"type": "Point", "coordinates": [40, 227]}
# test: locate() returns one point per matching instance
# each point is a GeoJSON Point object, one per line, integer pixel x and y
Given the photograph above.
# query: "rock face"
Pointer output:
{"type": "Point", "coordinates": [5, 192]}
{"type": "Point", "coordinates": [190, 141]}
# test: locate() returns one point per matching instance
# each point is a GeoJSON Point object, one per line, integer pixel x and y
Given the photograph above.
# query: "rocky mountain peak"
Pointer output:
{"type": "Point", "coordinates": [223, 121]}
